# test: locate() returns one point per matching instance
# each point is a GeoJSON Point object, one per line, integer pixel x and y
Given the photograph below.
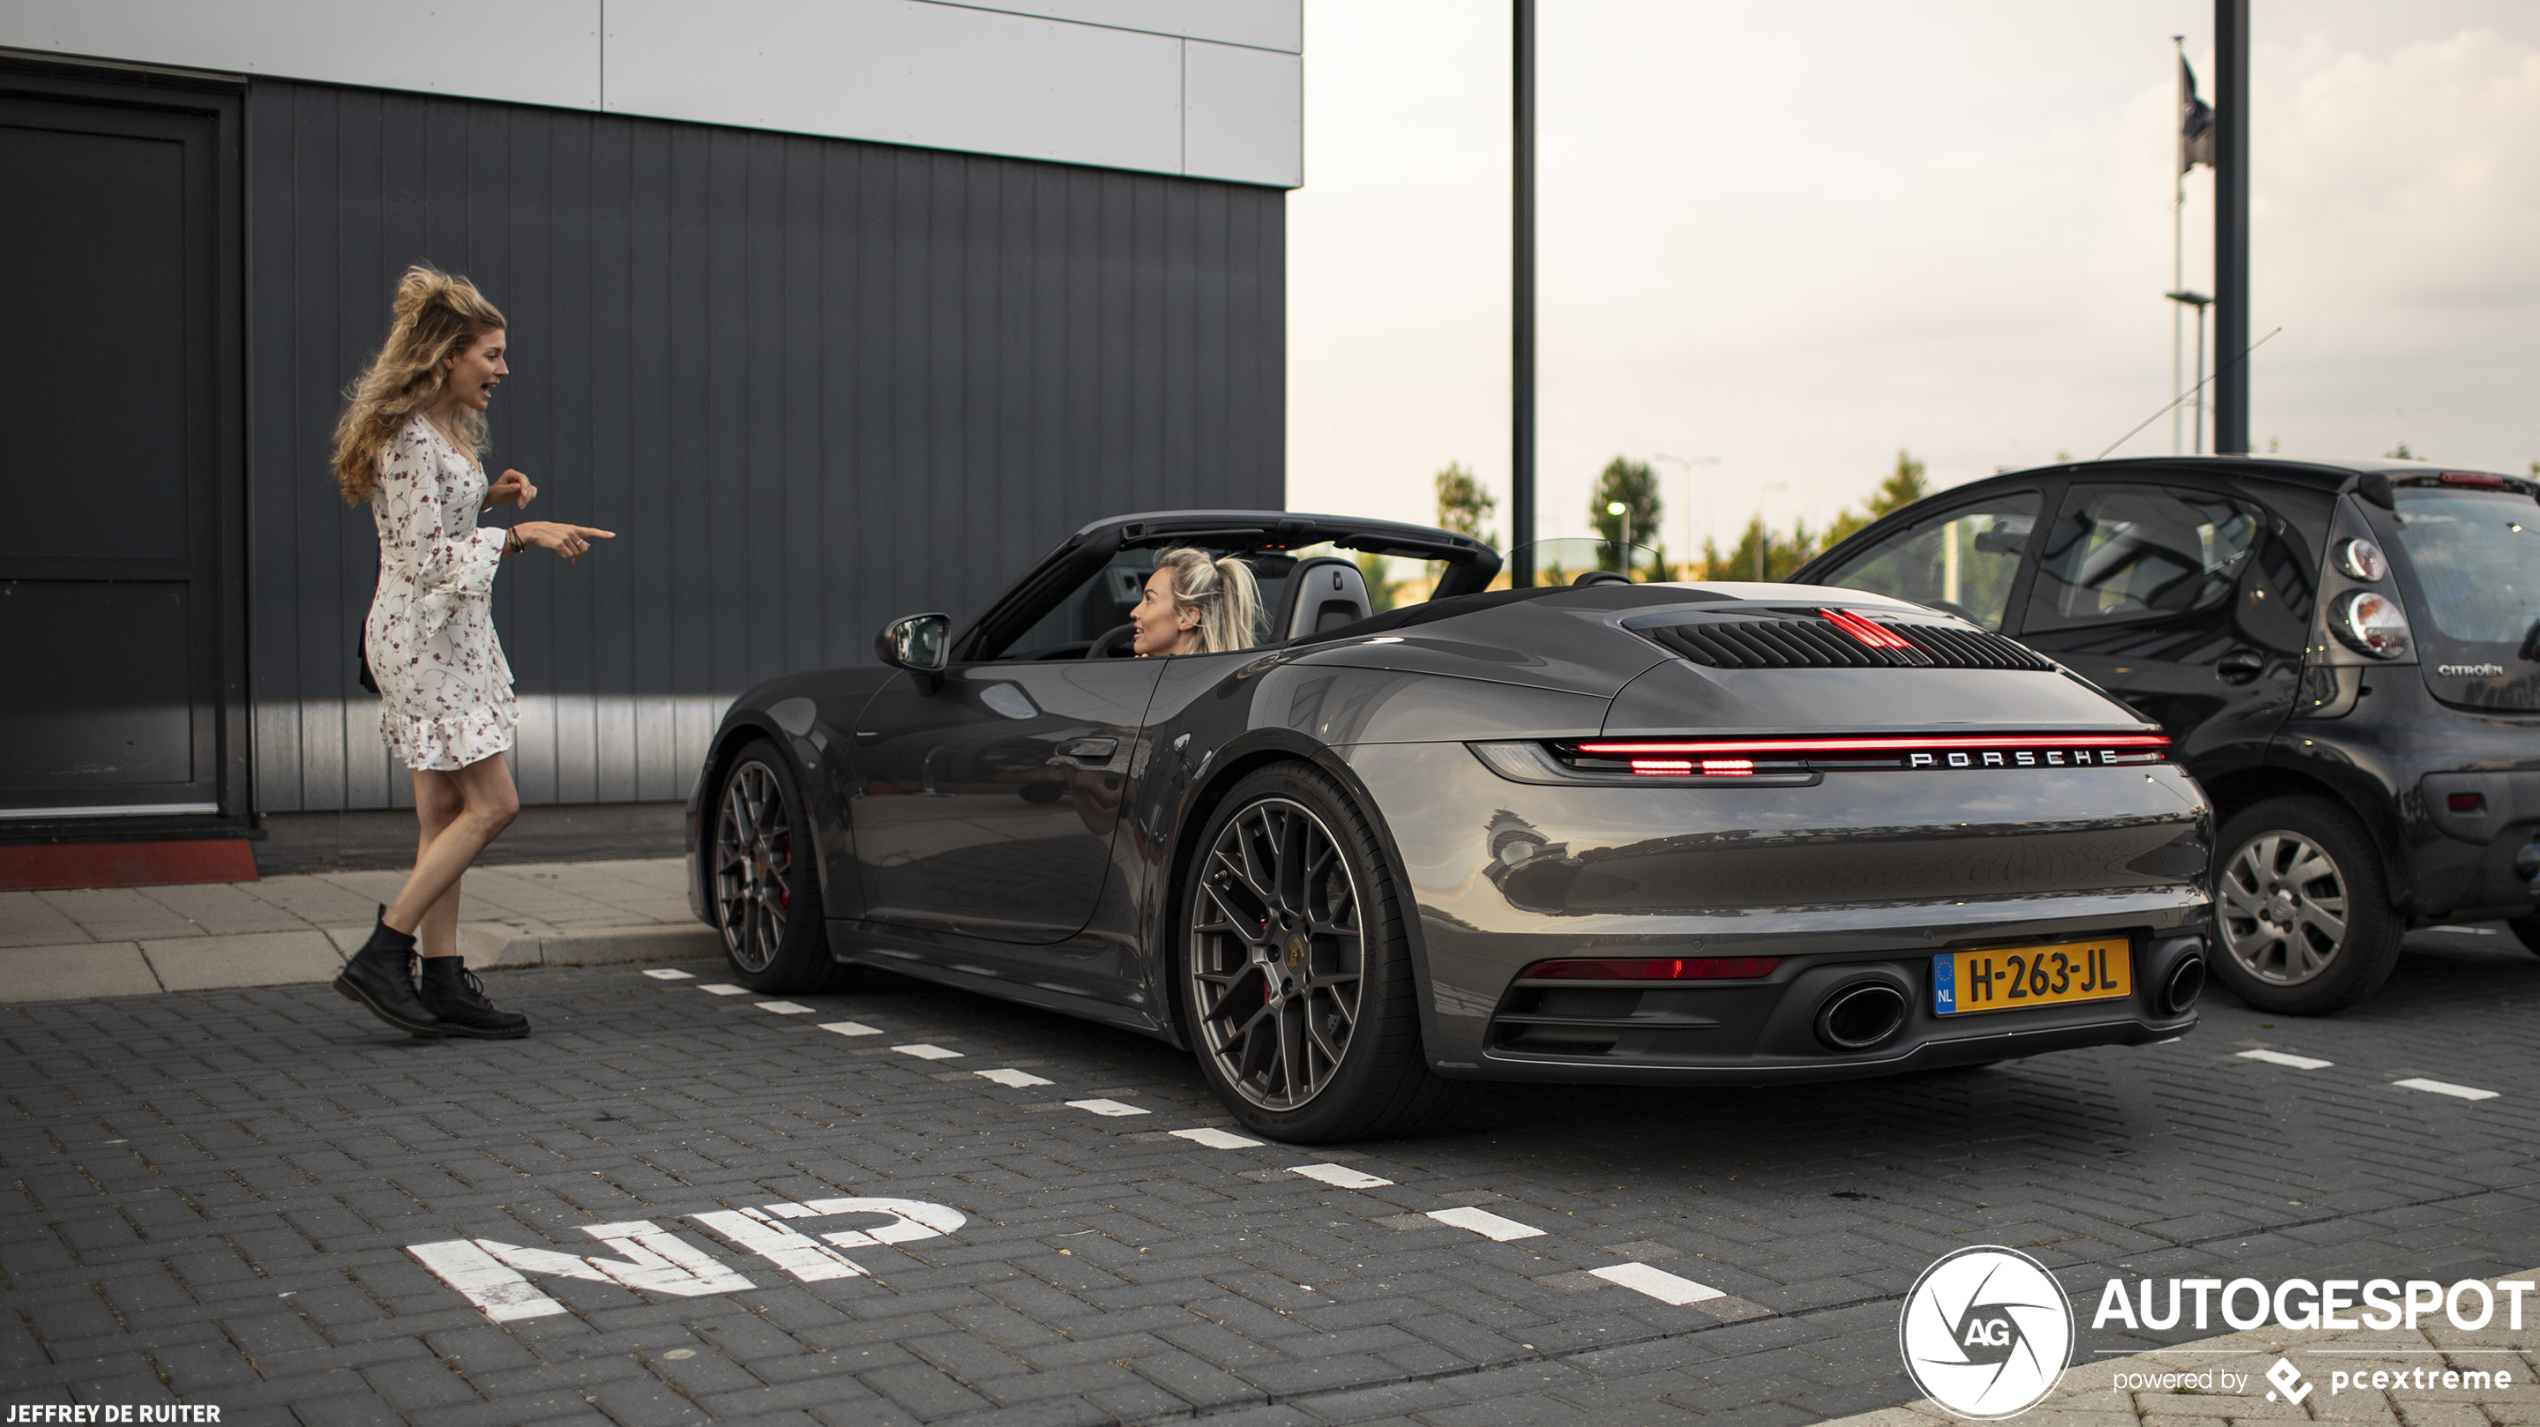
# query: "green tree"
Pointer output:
{"type": "Point", "coordinates": [2400, 452]}
{"type": "Point", "coordinates": [1780, 554]}
{"type": "Point", "coordinates": [1378, 573]}
{"type": "Point", "coordinates": [1903, 486]}
{"type": "Point", "coordinates": [1463, 504]}
{"type": "Point", "coordinates": [1631, 485]}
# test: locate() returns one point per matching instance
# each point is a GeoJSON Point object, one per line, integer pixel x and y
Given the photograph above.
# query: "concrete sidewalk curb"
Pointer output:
{"type": "Point", "coordinates": [498, 946]}
{"type": "Point", "coordinates": [84, 970]}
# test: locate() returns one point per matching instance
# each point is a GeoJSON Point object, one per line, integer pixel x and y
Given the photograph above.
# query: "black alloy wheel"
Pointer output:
{"type": "Point", "coordinates": [1278, 953]}
{"type": "Point", "coordinates": [766, 884]}
{"type": "Point", "coordinates": [1297, 990]}
{"type": "Point", "coordinates": [2302, 908]}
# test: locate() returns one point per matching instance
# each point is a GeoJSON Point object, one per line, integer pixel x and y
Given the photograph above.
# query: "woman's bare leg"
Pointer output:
{"type": "Point", "coordinates": [438, 803]}
{"type": "Point", "coordinates": [488, 803]}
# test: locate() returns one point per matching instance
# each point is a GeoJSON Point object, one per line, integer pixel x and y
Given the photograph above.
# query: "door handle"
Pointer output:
{"type": "Point", "coordinates": [1088, 750]}
{"type": "Point", "coordinates": [2240, 666]}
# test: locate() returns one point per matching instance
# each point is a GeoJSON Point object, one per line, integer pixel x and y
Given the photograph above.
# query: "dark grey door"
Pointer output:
{"type": "Point", "coordinates": [2163, 596]}
{"type": "Point", "coordinates": [987, 806]}
{"type": "Point", "coordinates": [112, 604]}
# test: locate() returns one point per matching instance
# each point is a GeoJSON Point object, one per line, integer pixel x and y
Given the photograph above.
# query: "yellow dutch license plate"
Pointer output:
{"type": "Point", "coordinates": [2007, 978]}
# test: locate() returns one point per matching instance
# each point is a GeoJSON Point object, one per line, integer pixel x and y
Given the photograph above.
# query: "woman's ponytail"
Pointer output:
{"type": "Point", "coordinates": [436, 315]}
{"type": "Point", "coordinates": [1223, 591]}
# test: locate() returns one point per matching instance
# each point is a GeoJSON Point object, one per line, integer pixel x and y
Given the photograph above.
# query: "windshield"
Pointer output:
{"type": "Point", "coordinates": [2474, 558]}
{"type": "Point", "coordinates": [2477, 561]}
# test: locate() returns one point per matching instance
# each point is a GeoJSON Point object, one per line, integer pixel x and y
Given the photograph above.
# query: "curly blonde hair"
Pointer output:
{"type": "Point", "coordinates": [1223, 591]}
{"type": "Point", "coordinates": [438, 316]}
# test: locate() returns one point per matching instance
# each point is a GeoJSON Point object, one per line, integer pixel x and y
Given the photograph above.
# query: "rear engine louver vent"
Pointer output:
{"type": "Point", "coordinates": [1819, 644]}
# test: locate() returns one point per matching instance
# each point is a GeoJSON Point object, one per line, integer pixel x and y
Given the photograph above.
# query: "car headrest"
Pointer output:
{"type": "Point", "coordinates": [1323, 593]}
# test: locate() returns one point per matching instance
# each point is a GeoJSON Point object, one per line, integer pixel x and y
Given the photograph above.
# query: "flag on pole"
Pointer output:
{"type": "Point", "coordinates": [2196, 122]}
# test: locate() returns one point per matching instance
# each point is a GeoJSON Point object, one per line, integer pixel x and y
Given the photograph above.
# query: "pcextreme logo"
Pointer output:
{"type": "Point", "coordinates": [1986, 1332]}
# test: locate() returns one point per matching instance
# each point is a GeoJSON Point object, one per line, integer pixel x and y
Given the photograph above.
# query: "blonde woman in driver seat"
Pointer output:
{"type": "Point", "coordinates": [1195, 605]}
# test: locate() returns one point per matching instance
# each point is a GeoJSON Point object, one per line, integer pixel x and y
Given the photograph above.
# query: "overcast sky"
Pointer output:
{"type": "Point", "coordinates": [1797, 238]}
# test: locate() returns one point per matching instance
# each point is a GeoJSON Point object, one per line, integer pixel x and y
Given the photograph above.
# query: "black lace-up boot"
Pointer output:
{"type": "Point", "coordinates": [382, 977]}
{"type": "Point", "coordinates": [458, 998]}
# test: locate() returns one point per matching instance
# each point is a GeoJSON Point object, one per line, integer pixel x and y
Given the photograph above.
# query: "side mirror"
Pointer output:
{"type": "Point", "coordinates": [919, 643]}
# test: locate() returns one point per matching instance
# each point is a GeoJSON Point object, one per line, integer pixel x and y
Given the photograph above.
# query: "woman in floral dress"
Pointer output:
{"type": "Point", "coordinates": [407, 444]}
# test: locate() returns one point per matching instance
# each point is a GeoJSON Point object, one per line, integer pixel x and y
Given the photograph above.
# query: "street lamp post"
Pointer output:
{"type": "Point", "coordinates": [1688, 462]}
{"type": "Point", "coordinates": [1521, 480]}
{"type": "Point", "coordinates": [1763, 532]}
{"type": "Point", "coordinates": [2200, 302]}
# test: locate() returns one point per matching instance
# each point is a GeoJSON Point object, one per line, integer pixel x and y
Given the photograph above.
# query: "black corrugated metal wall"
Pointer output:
{"type": "Point", "coordinates": [811, 383]}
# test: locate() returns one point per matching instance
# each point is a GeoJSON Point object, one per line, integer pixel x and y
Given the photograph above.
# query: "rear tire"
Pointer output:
{"type": "Point", "coordinates": [1293, 968]}
{"type": "Point", "coordinates": [763, 880]}
{"type": "Point", "coordinates": [2302, 907]}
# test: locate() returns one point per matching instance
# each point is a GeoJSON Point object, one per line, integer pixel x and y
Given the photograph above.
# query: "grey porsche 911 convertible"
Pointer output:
{"type": "Point", "coordinates": [1429, 832]}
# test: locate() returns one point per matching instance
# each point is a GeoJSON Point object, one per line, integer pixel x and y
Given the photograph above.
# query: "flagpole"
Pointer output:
{"type": "Point", "coordinates": [2178, 242]}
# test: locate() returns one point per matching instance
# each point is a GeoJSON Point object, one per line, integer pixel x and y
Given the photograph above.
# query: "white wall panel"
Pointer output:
{"type": "Point", "coordinates": [1211, 88]}
{"type": "Point", "coordinates": [1243, 114]}
{"type": "Point", "coordinates": [525, 51]}
{"type": "Point", "coordinates": [1262, 24]}
{"type": "Point", "coordinates": [904, 71]}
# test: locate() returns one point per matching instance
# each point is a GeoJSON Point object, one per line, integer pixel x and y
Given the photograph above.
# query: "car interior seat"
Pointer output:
{"type": "Point", "coordinates": [1323, 593]}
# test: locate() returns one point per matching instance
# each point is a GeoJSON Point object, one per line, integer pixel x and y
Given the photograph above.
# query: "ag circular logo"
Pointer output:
{"type": "Point", "coordinates": [1986, 1332]}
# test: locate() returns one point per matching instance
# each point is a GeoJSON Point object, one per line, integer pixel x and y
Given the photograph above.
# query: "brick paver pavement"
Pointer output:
{"type": "Point", "coordinates": [230, 1198]}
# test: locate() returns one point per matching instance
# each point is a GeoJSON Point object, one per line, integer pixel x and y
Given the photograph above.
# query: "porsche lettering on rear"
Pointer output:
{"type": "Point", "coordinates": [2030, 758]}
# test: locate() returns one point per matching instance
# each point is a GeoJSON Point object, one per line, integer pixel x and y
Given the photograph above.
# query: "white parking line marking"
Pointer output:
{"type": "Point", "coordinates": [2277, 1057]}
{"type": "Point", "coordinates": [2465, 931]}
{"type": "Point", "coordinates": [1217, 1139]}
{"type": "Point", "coordinates": [669, 973]}
{"type": "Point", "coordinates": [725, 988]}
{"type": "Point", "coordinates": [1105, 1107]}
{"type": "Point", "coordinates": [784, 1008]}
{"type": "Point", "coordinates": [2437, 1087]}
{"type": "Point", "coordinates": [1658, 1283]}
{"type": "Point", "coordinates": [1016, 1078]}
{"type": "Point", "coordinates": [849, 1028]}
{"type": "Point", "coordinates": [924, 1051]}
{"type": "Point", "coordinates": [1342, 1176]}
{"type": "Point", "coordinates": [493, 1275]}
{"type": "Point", "coordinates": [798, 1255]}
{"type": "Point", "coordinates": [1486, 1224]}
{"type": "Point", "coordinates": [503, 1295]}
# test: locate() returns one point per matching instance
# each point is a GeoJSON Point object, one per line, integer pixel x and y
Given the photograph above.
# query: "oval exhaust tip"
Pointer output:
{"type": "Point", "coordinates": [2186, 984]}
{"type": "Point", "coordinates": [1862, 1016]}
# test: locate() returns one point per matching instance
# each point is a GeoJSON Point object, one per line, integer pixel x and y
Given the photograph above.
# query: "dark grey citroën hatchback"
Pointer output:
{"type": "Point", "coordinates": [2347, 654]}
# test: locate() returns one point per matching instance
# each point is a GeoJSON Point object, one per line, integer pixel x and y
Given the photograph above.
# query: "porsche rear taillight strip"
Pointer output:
{"type": "Point", "coordinates": [1802, 747]}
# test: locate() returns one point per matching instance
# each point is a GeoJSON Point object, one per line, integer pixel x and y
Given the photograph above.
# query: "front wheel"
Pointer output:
{"type": "Point", "coordinates": [1295, 969]}
{"type": "Point", "coordinates": [764, 877]}
{"type": "Point", "coordinates": [2303, 908]}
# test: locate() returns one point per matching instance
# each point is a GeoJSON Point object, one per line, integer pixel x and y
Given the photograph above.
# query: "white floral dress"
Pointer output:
{"type": "Point", "coordinates": [445, 690]}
